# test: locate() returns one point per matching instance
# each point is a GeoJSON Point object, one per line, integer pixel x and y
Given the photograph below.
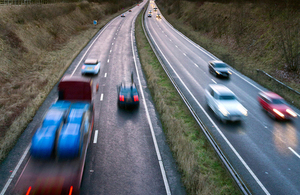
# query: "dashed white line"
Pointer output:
{"type": "Point", "coordinates": [176, 46]}
{"type": "Point", "coordinates": [101, 97]}
{"type": "Point", "coordinates": [105, 74]}
{"type": "Point", "coordinates": [114, 37]}
{"type": "Point", "coordinates": [108, 61]}
{"type": "Point", "coordinates": [96, 136]}
{"type": "Point", "coordinates": [184, 54]}
{"type": "Point", "coordinates": [112, 43]}
{"type": "Point", "coordinates": [110, 51]}
{"type": "Point", "coordinates": [196, 64]}
{"type": "Point", "coordinates": [291, 149]}
{"type": "Point", "coordinates": [214, 81]}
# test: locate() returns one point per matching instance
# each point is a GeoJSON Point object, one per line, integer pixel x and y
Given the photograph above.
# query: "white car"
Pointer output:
{"type": "Point", "coordinates": [224, 103]}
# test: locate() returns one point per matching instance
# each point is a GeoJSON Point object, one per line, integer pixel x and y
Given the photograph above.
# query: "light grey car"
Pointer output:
{"type": "Point", "coordinates": [224, 103]}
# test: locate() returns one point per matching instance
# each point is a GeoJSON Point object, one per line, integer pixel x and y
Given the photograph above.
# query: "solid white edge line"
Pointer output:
{"type": "Point", "coordinates": [91, 46]}
{"type": "Point", "coordinates": [101, 97]}
{"type": "Point", "coordinates": [95, 137]}
{"type": "Point", "coordinates": [217, 128]}
{"type": "Point", "coordinates": [15, 170]}
{"type": "Point", "coordinates": [162, 169]}
{"type": "Point", "coordinates": [291, 149]}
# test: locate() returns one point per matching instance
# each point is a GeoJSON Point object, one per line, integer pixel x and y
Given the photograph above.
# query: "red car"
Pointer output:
{"type": "Point", "coordinates": [275, 106]}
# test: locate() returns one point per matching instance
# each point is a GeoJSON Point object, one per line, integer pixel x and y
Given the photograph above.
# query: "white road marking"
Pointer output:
{"type": "Point", "coordinates": [15, 171]}
{"type": "Point", "coordinates": [107, 60]}
{"type": "Point", "coordinates": [105, 74]}
{"type": "Point", "coordinates": [161, 165]}
{"type": "Point", "coordinates": [96, 136]}
{"type": "Point", "coordinates": [291, 149]}
{"type": "Point", "coordinates": [196, 65]}
{"type": "Point", "coordinates": [214, 81]}
{"type": "Point", "coordinates": [176, 46]}
{"type": "Point", "coordinates": [170, 40]}
{"type": "Point", "coordinates": [217, 128]}
{"type": "Point", "coordinates": [114, 37]}
{"type": "Point", "coordinates": [112, 43]}
{"type": "Point", "coordinates": [110, 51]}
{"type": "Point", "coordinates": [184, 54]}
{"type": "Point", "coordinates": [101, 97]}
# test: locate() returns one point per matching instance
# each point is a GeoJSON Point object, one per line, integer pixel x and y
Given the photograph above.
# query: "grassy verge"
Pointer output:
{"type": "Point", "coordinates": [40, 42]}
{"type": "Point", "coordinates": [201, 170]}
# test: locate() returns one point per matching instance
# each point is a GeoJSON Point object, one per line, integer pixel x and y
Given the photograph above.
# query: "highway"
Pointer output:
{"type": "Point", "coordinates": [264, 152]}
{"type": "Point", "coordinates": [128, 153]}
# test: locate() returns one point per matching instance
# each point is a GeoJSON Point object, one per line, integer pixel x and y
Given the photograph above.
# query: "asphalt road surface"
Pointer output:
{"type": "Point", "coordinates": [128, 153]}
{"type": "Point", "coordinates": [263, 151]}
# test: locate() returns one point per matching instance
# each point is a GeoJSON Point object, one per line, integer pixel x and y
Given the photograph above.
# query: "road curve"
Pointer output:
{"type": "Point", "coordinates": [264, 152]}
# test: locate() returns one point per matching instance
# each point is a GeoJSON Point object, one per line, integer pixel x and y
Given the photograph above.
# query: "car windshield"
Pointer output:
{"type": "Point", "coordinates": [220, 65]}
{"type": "Point", "coordinates": [227, 97]}
{"type": "Point", "coordinates": [278, 101]}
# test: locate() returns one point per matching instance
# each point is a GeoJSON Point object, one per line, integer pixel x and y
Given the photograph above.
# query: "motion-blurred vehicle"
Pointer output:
{"type": "Point", "coordinates": [150, 11]}
{"type": "Point", "coordinates": [90, 66]}
{"type": "Point", "coordinates": [275, 105]}
{"type": "Point", "coordinates": [59, 145]}
{"type": "Point", "coordinates": [128, 96]}
{"type": "Point", "coordinates": [224, 103]}
{"type": "Point", "coordinates": [219, 68]}
{"type": "Point", "coordinates": [158, 16]}
{"type": "Point", "coordinates": [122, 15]}
{"type": "Point", "coordinates": [129, 10]}
{"type": "Point", "coordinates": [149, 15]}
{"type": "Point", "coordinates": [155, 9]}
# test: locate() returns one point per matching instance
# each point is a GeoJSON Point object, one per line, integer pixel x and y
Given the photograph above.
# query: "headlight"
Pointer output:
{"type": "Point", "coordinates": [229, 72]}
{"type": "Point", "coordinates": [217, 72]}
{"type": "Point", "coordinates": [278, 113]}
{"type": "Point", "coordinates": [291, 112]}
{"type": "Point", "coordinates": [243, 110]}
{"type": "Point", "coordinates": [223, 110]}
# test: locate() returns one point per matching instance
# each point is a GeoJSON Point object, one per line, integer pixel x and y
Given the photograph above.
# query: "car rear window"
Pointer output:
{"type": "Point", "coordinates": [91, 61]}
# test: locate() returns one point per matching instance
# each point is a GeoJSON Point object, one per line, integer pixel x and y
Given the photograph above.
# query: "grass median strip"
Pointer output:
{"type": "Point", "coordinates": [201, 170]}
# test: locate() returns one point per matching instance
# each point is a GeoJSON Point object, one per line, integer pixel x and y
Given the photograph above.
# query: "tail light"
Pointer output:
{"type": "Point", "coordinates": [28, 191]}
{"type": "Point", "coordinates": [96, 67]}
{"type": "Point", "coordinates": [121, 97]}
{"type": "Point", "coordinates": [136, 98]}
{"type": "Point", "coordinates": [71, 190]}
{"type": "Point", "coordinates": [83, 67]}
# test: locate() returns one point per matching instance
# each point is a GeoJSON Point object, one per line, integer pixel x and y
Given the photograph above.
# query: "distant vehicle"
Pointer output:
{"type": "Point", "coordinates": [158, 16]}
{"type": "Point", "coordinates": [149, 15]}
{"type": "Point", "coordinates": [90, 66]}
{"type": "Point", "coordinates": [224, 103]}
{"type": "Point", "coordinates": [130, 10]}
{"type": "Point", "coordinates": [150, 11]}
{"type": "Point", "coordinates": [219, 68]}
{"type": "Point", "coordinates": [275, 105]}
{"type": "Point", "coordinates": [122, 15]}
{"type": "Point", "coordinates": [155, 9]}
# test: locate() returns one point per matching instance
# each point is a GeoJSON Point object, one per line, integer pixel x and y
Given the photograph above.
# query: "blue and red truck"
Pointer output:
{"type": "Point", "coordinates": [59, 145]}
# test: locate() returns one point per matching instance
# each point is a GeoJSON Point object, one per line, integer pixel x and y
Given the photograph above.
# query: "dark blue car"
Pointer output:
{"type": "Point", "coordinates": [128, 96]}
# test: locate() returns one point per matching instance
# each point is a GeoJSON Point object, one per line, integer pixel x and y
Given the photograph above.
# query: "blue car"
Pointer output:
{"type": "Point", "coordinates": [128, 96]}
{"type": "Point", "coordinates": [90, 66]}
{"type": "Point", "coordinates": [62, 131]}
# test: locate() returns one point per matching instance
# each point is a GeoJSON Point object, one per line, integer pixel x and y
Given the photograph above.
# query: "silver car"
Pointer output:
{"type": "Point", "coordinates": [224, 103]}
